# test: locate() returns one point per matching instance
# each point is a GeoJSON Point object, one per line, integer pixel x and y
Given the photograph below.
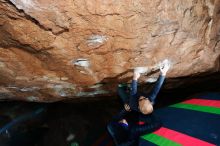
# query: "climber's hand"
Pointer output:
{"type": "Point", "coordinates": [127, 107]}
{"type": "Point", "coordinates": [136, 75]}
{"type": "Point", "coordinates": [164, 68]}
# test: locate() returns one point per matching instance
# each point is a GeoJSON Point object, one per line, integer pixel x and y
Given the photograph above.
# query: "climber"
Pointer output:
{"type": "Point", "coordinates": [136, 118]}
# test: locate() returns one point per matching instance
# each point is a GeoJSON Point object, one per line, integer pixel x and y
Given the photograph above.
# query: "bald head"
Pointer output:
{"type": "Point", "coordinates": [145, 106]}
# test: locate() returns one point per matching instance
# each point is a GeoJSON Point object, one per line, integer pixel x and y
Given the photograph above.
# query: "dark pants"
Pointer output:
{"type": "Point", "coordinates": [120, 132]}
{"type": "Point", "coordinates": [123, 93]}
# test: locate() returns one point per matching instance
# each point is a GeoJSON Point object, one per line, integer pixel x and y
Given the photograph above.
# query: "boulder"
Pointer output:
{"type": "Point", "coordinates": [53, 50]}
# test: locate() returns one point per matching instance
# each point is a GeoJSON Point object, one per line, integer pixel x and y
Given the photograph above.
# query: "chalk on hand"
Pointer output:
{"type": "Point", "coordinates": [165, 62]}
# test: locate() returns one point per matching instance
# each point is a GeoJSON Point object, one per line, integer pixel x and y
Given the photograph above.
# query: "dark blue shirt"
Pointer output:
{"type": "Point", "coordinates": [134, 97]}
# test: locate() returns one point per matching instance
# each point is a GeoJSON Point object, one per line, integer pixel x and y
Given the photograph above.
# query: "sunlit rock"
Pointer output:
{"type": "Point", "coordinates": [52, 50]}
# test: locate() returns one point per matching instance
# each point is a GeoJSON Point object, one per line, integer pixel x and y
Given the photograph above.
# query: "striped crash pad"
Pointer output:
{"type": "Point", "coordinates": [194, 122]}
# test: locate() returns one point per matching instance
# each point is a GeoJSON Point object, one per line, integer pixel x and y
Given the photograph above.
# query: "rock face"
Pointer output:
{"type": "Point", "coordinates": [52, 50]}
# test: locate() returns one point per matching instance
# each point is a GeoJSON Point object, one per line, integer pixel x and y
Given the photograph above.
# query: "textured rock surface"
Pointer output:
{"type": "Point", "coordinates": [52, 50]}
